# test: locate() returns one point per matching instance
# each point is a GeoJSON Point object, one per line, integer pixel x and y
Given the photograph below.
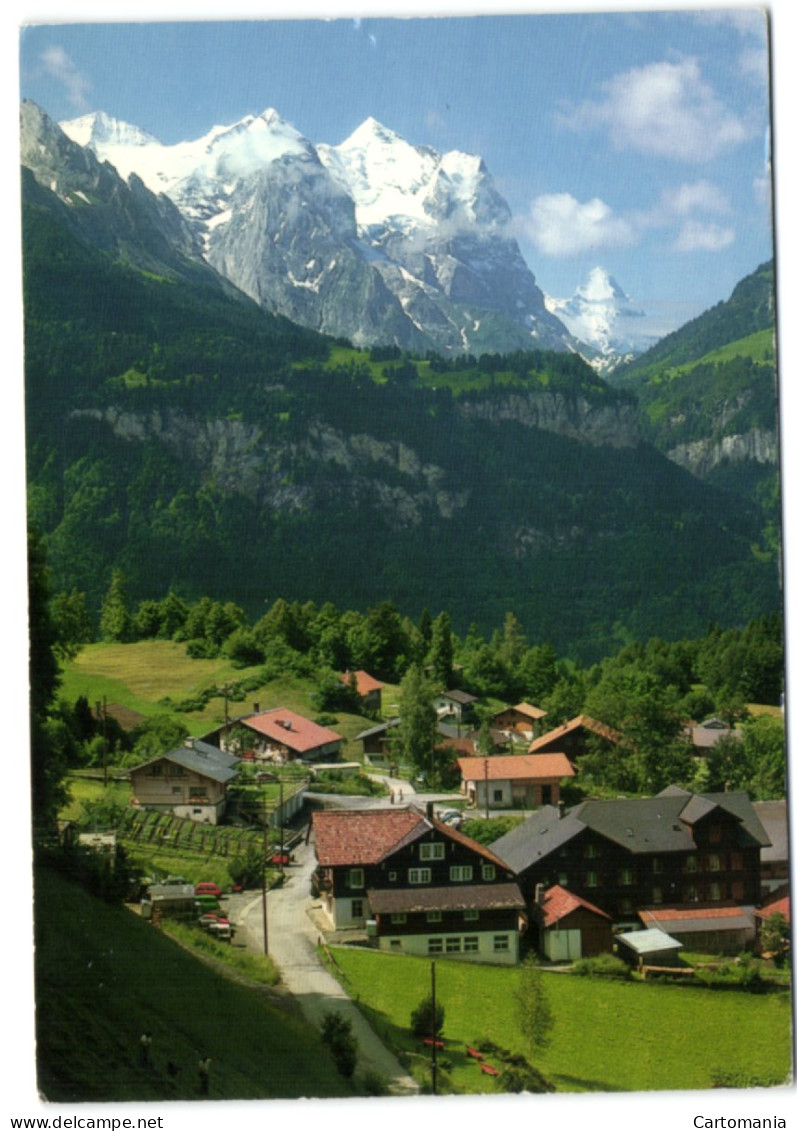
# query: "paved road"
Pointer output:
{"type": "Point", "coordinates": [292, 939]}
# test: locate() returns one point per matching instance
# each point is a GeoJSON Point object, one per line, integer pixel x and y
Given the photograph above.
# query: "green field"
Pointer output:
{"type": "Point", "coordinates": [141, 676]}
{"type": "Point", "coordinates": [607, 1037]}
{"type": "Point", "coordinates": [104, 976]}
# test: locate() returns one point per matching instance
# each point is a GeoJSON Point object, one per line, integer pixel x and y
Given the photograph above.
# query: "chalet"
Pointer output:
{"type": "Point", "coordinates": [570, 927]}
{"type": "Point", "coordinates": [190, 781]}
{"type": "Point", "coordinates": [379, 742]}
{"type": "Point", "coordinates": [280, 736]}
{"type": "Point", "coordinates": [514, 781]}
{"type": "Point", "coordinates": [419, 886]}
{"type": "Point", "coordinates": [676, 848]}
{"type": "Point", "coordinates": [523, 720]}
{"type": "Point", "coordinates": [773, 815]}
{"type": "Point", "coordinates": [368, 688]}
{"type": "Point", "coordinates": [704, 736]}
{"type": "Point", "coordinates": [704, 930]}
{"type": "Point", "coordinates": [575, 737]}
{"type": "Point", "coordinates": [455, 705]}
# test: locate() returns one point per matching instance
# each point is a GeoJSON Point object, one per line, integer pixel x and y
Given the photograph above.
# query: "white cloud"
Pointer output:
{"type": "Point", "coordinates": [702, 235]}
{"type": "Point", "coordinates": [665, 109]}
{"type": "Point", "coordinates": [560, 225]}
{"type": "Point", "coordinates": [694, 196]}
{"type": "Point", "coordinates": [58, 65]}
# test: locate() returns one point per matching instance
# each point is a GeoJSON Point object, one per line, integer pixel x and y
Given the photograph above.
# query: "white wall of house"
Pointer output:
{"type": "Point", "coordinates": [349, 911]}
{"type": "Point", "coordinates": [500, 793]}
{"type": "Point", "coordinates": [204, 814]}
{"type": "Point", "coordinates": [500, 948]}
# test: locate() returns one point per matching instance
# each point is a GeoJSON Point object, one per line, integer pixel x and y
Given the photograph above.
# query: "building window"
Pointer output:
{"type": "Point", "coordinates": [715, 834]}
{"type": "Point", "coordinates": [178, 771]}
{"type": "Point", "coordinates": [498, 795]}
{"type": "Point", "coordinates": [460, 873]}
{"type": "Point", "coordinates": [420, 875]}
{"type": "Point", "coordinates": [691, 863]}
{"type": "Point", "coordinates": [590, 851]}
{"type": "Point", "coordinates": [453, 946]}
{"type": "Point", "coordinates": [434, 916]}
{"type": "Point", "coordinates": [562, 881]}
{"type": "Point", "coordinates": [356, 909]}
{"type": "Point", "coordinates": [434, 946]}
{"type": "Point", "coordinates": [356, 878]}
{"type": "Point", "coordinates": [470, 944]}
{"type": "Point", "coordinates": [713, 862]}
{"type": "Point", "coordinates": [592, 879]}
{"type": "Point", "coordinates": [395, 944]}
{"type": "Point", "coordinates": [398, 917]}
{"type": "Point", "coordinates": [657, 868]}
{"type": "Point", "coordinates": [176, 789]}
{"type": "Point", "coordinates": [392, 875]}
{"type": "Point", "coordinates": [500, 942]}
{"type": "Point", "coordinates": [657, 895]}
{"type": "Point", "coordinates": [488, 871]}
{"type": "Point", "coordinates": [715, 891]}
{"type": "Point", "coordinates": [691, 894]}
{"type": "Point", "coordinates": [156, 771]}
{"type": "Point", "coordinates": [470, 914]}
{"type": "Point", "coordinates": [626, 877]}
{"type": "Point", "coordinates": [737, 862]}
{"type": "Point", "coordinates": [626, 907]}
{"type": "Point", "coordinates": [433, 851]}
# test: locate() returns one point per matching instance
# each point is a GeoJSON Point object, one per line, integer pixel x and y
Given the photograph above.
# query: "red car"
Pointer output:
{"type": "Point", "coordinates": [208, 888]}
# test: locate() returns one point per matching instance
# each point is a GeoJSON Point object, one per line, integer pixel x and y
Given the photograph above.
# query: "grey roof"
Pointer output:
{"type": "Point", "coordinates": [458, 897]}
{"type": "Point", "coordinates": [463, 697]}
{"type": "Point", "coordinates": [774, 817]}
{"type": "Point", "coordinates": [641, 825]}
{"type": "Point", "coordinates": [649, 941]}
{"type": "Point", "coordinates": [543, 832]}
{"type": "Point", "coordinates": [380, 729]}
{"type": "Point", "coordinates": [201, 758]}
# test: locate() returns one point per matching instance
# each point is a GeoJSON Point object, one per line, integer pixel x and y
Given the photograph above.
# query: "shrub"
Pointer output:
{"type": "Point", "coordinates": [427, 1018]}
{"type": "Point", "coordinates": [524, 1078]}
{"type": "Point", "coordinates": [602, 966]}
{"type": "Point", "coordinates": [336, 1033]}
{"type": "Point", "coordinates": [374, 1084]}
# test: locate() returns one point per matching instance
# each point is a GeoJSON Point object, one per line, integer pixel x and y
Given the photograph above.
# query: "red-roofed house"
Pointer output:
{"type": "Point", "coordinates": [368, 688]}
{"type": "Point", "coordinates": [704, 929]}
{"type": "Point", "coordinates": [418, 885]}
{"type": "Point", "coordinates": [572, 737]}
{"type": "Point", "coordinates": [514, 781]}
{"type": "Point", "coordinates": [280, 735]}
{"type": "Point", "coordinates": [570, 927]}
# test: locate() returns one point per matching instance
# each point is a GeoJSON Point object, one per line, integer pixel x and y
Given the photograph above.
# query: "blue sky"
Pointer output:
{"type": "Point", "coordinates": [634, 140]}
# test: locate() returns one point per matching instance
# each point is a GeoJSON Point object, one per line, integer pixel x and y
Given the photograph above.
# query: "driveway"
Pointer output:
{"type": "Point", "coordinates": [292, 941]}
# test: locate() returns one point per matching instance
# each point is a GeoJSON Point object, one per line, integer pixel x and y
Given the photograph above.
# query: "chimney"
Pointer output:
{"type": "Point", "coordinates": [189, 742]}
{"type": "Point", "coordinates": [561, 808]}
{"type": "Point", "coordinates": [430, 810]}
{"type": "Point", "coordinates": [256, 708]}
{"type": "Point", "coordinates": [539, 894]}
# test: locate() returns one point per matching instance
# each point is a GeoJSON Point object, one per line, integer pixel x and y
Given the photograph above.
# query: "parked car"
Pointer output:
{"type": "Point", "coordinates": [205, 903]}
{"type": "Point", "coordinates": [206, 887]}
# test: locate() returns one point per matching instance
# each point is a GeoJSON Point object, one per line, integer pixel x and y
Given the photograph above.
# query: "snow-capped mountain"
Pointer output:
{"type": "Point", "coordinates": [602, 316]}
{"type": "Point", "coordinates": [375, 239]}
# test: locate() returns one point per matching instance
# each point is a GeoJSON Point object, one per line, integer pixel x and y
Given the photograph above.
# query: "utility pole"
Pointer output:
{"type": "Point", "coordinates": [486, 789]}
{"type": "Point", "coordinates": [434, 1033]}
{"type": "Point", "coordinates": [265, 876]}
{"type": "Point", "coordinates": [282, 835]}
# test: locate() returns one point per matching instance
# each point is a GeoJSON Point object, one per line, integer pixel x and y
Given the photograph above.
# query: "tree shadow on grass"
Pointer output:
{"type": "Point", "coordinates": [579, 1084]}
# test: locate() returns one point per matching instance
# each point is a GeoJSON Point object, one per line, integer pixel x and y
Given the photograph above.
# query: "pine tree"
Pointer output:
{"type": "Point", "coordinates": [115, 619]}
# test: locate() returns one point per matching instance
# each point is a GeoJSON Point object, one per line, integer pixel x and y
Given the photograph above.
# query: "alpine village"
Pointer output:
{"type": "Point", "coordinates": [406, 716]}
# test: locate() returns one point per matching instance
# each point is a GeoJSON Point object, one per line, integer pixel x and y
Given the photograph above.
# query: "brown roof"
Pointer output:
{"type": "Point", "coordinates": [366, 836]}
{"type": "Point", "coordinates": [458, 897]}
{"type": "Point", "coordinates": [291, 730]}
{"type": "Point", "coordinates": [558, 902]}
{"type": "Point", "coordinates": [778, 902]}
{"type": "Point", "coordinates": [658, 915]}
{"type": "Point", "coordinates": [601, 729]}
{"type": "Point", "coordinates": [516, 767]}
{"type": "Point", "coordinates": [365, 682]}
{"type": "Point", "coordinates": [361, 836]}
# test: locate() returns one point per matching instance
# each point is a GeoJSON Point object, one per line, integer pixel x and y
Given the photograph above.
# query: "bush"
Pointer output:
{"type": "Point", "coordinates": [602, 966]}
{"type": "Point", "coordinates": [374, 1084]}
{"type": "Point", "coordinates": [427, 1019]}
{"type": "Point", "coordinates": [523, 1078]}
{"type": "Point", "coordinates": [336, 1033]}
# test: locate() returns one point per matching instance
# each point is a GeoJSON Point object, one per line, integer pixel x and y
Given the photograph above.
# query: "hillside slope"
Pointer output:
{"type": "Point", "coordinates": [104, 976]}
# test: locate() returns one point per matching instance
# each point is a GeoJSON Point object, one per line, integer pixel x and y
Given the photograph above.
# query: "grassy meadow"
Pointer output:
{"type": "Point", "coordinates": [607, 1037]}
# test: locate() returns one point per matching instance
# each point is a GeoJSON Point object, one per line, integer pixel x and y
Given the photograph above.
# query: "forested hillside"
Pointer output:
{"type": "Point", "coordinates": [179, 434]}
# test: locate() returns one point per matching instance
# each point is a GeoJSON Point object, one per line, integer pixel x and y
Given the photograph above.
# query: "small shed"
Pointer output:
{"type": "Point", "coordinates": [569, 927]}
{"type": "Point", "coordinates": [724, 929]}
{"type": "Point", "coordinates": [650, 947]}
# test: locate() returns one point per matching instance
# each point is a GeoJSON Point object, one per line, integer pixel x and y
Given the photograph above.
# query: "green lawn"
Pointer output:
{"type": "Point", "coordinates": [608, 1036]}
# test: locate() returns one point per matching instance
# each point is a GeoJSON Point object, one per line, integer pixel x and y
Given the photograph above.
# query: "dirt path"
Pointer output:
{"type": "Point", "coordinates": [292, 941]}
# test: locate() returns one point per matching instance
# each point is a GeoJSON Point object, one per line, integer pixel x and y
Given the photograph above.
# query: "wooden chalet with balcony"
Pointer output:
{"type": "Point", "coordinates": [190, 781]}
{"type": "Point", "coordinates": [418, 886]}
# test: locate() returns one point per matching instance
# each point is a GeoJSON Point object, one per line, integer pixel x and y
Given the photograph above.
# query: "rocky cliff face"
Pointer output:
{"type": "Point", "coordinates": [702, 456]}
{"type": "Point", "coordinates": [614, 424]}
